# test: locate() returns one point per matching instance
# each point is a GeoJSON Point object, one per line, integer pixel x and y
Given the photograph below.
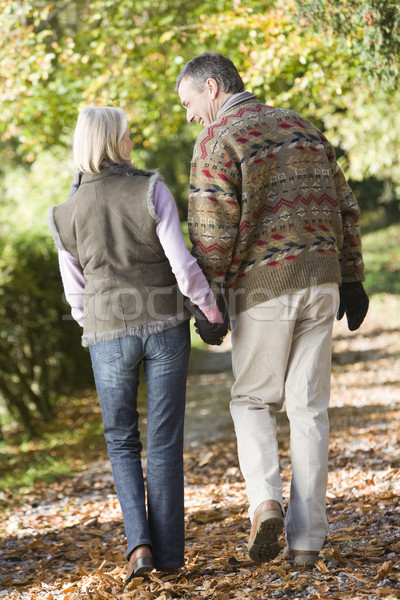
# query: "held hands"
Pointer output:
{"type": "Point", "coordinates": [210, 333]}
{"type": "Point", "coordinates": [354, 302]}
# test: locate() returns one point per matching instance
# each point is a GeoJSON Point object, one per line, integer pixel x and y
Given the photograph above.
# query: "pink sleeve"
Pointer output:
{"type": "Point", "coordinates": [191, 280]}
{"type": "Point", "coordinates": [73, 282]}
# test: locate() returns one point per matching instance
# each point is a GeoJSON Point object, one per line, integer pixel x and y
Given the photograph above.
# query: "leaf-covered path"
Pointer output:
{"type": "Point", "coordinates": [67, 542]}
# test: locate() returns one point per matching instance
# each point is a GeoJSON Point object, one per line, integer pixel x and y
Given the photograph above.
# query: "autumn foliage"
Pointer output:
{"type": "Point", "coordinates": [66, 540]}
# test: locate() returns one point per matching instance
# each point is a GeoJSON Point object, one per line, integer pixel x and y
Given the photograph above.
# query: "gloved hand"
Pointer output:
{"type": "Point", "coordinates": [210, 333]}
{"type": "Point", "coordinates": [354, 302]}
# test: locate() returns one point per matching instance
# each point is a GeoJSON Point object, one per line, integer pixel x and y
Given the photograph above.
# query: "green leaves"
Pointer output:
{"type": "Point", "coordinates": [317, 57]}
{"type": "Point", "coordinates": [369, 29]}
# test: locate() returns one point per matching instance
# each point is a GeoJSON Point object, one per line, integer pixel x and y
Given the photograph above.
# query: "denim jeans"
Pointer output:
{"type": "Point", "coordinates": [165, 357]}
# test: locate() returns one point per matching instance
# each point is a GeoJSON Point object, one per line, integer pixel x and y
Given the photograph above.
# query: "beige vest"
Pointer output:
{"type": "Point", "coordinates": [109, 225]}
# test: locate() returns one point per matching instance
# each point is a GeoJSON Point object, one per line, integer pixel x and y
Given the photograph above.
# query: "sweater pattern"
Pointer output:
{"type": "Point", "coordinates": [266, 192]}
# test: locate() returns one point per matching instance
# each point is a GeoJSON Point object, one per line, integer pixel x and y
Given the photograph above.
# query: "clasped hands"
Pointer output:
{"type": "Point", "coordinates": [353, 301]}
{"type": "Point", "coordinates": [210, 333]}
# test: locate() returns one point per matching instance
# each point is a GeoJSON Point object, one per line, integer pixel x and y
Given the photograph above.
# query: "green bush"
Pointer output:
{"type": "Point", "coordinates": [40, 351]}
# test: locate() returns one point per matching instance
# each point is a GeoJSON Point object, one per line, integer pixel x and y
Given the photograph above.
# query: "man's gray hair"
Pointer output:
{"type": "Point", "coordinates": [216, 66]}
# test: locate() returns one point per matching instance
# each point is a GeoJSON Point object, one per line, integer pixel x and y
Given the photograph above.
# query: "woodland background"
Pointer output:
{"type": "Point", "coordinates": [335, 62]}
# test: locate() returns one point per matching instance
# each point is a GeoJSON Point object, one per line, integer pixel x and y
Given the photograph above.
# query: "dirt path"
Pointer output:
{"type": "Point", "coordinates": [70, 544]}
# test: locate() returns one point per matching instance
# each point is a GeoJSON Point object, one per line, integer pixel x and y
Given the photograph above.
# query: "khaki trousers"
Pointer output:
{"type": "Point", "coordinates": [281, 350]}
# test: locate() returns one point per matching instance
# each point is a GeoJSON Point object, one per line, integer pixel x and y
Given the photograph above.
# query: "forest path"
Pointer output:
{"type": "Point", "coordinates": [69, 543]}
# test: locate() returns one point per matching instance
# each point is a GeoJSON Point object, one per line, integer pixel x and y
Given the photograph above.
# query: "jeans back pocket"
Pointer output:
{"type": "Point", "coordinates": [107, 351]}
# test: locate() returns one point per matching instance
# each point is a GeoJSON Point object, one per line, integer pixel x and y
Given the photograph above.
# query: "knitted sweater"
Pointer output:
{"type": "Point", "coordinates": [269, 208]}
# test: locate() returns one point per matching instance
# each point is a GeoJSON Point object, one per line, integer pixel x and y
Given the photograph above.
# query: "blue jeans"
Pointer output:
{"type": "Point", "coordinates": [165, 357]}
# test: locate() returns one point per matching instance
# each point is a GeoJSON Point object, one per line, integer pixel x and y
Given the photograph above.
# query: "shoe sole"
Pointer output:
{"type": "Point", "coordinates": [305, 560]}
{"type": "Point", "coordinates": [265, 545]}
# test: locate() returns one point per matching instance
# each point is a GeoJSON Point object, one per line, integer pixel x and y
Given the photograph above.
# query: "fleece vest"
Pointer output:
{"type": "Point", "coordinates": [109, 226]}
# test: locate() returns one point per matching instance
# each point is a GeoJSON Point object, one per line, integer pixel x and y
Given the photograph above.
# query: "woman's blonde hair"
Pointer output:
{"type": "Point", "coordinates": [97, 137]}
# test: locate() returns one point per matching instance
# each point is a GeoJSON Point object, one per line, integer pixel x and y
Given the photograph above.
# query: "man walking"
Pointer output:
{"type": "Point", "coordinates": [274, 223]}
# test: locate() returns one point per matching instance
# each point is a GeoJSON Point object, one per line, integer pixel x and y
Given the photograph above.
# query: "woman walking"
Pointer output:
{"type": "Point", "coordinates": [126, 272]}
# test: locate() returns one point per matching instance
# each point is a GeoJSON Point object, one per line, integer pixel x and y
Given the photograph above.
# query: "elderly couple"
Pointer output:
{"type": "Point", "coordinates": [275, 232]}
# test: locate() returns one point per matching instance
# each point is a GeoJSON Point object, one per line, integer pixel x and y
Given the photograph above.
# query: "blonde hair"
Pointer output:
{"type": "Point", "coordinates": [97, 137]}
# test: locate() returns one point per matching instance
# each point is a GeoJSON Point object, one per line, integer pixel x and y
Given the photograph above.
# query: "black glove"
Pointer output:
{"type": "Point", "coordinates": [354, 302]}
{"type": "Point", "coordinates": [210, 333]}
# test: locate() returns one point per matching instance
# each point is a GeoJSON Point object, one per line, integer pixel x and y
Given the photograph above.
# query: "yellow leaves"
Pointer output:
{"type": "Point", "coordinates": [126, 595]}
{"type": "Point", "coordinates": [135, 582]}
{"type": "Point", "coordinates": [166, 37]}
{"type": "Point", "coordinates": [80, 552]}
{"type": "Point", "coordinates": [384, 570]}
{"type": "Point", "coordinates": [321, 566]}
{"type": "Point", "coordinates": [333, 554]}
{"type": "Point", "coordinates": [205, 459]}
{"type": "Point", "coordinates": [390, 593]}
{"type": "Point", "coordinates": [99, 48]}
{"type": "Point", "coordinates": [278, 570]}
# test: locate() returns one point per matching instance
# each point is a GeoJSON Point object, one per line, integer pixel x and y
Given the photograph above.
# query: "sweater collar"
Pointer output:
{"type": "Point", "coordinates": [232, 101]}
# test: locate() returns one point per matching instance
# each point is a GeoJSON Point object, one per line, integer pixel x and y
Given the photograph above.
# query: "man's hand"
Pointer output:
{"type": "Point", "coordinates": [354, 302]}
{"type": "Point", "coordinates": [210, 333]}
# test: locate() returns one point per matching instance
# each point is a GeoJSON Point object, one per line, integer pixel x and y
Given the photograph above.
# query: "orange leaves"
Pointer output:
{"type": "Point", "coordinates": [384, 570]}
{"type": "Point", "coordinates": [67, 542]}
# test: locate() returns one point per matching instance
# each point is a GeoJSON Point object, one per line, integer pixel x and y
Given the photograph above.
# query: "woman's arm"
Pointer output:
{"type": "Point", "coordinates": [189, 276]}
{"type": "Point", "coordinates": [191, 280]}
{"type": "Point", "coordinates": [73, 282]}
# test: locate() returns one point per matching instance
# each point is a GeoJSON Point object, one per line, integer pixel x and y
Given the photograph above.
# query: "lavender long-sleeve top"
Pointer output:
{"type": "Point", "coordinates": [190, 278]}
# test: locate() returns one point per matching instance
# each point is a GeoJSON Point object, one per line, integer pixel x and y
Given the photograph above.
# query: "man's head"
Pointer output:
{"type": "Point", "coordinates": [204, 83]}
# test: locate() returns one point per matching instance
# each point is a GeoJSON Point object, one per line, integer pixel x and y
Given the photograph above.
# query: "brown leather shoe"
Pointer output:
{"type": "Point", "coordinates": [301, 558]}
{"type": "Point", "coordinates": [265, 530]}
{"type": "Point", "coordinates": [140, 562]}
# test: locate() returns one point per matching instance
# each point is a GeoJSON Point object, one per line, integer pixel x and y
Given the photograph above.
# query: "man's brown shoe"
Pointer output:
{"type": "Point", "coordinates": [140, 562]}
{"type": "Point", "coordinates": [301, 558]}
{"type": "Point", "coordinates": [265, 530]}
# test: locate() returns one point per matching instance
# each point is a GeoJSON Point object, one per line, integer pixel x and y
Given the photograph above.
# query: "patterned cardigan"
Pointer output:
{"type": "Point", "coordinates": [269, 208]}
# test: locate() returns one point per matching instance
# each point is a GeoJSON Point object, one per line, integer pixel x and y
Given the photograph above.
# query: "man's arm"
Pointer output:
{"type": "Point", "coordinates": [354, 301]}
{"type": "Point", "coordinates": [352, 265]}
{"type": "Point", "coordinates": [214, 208]}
